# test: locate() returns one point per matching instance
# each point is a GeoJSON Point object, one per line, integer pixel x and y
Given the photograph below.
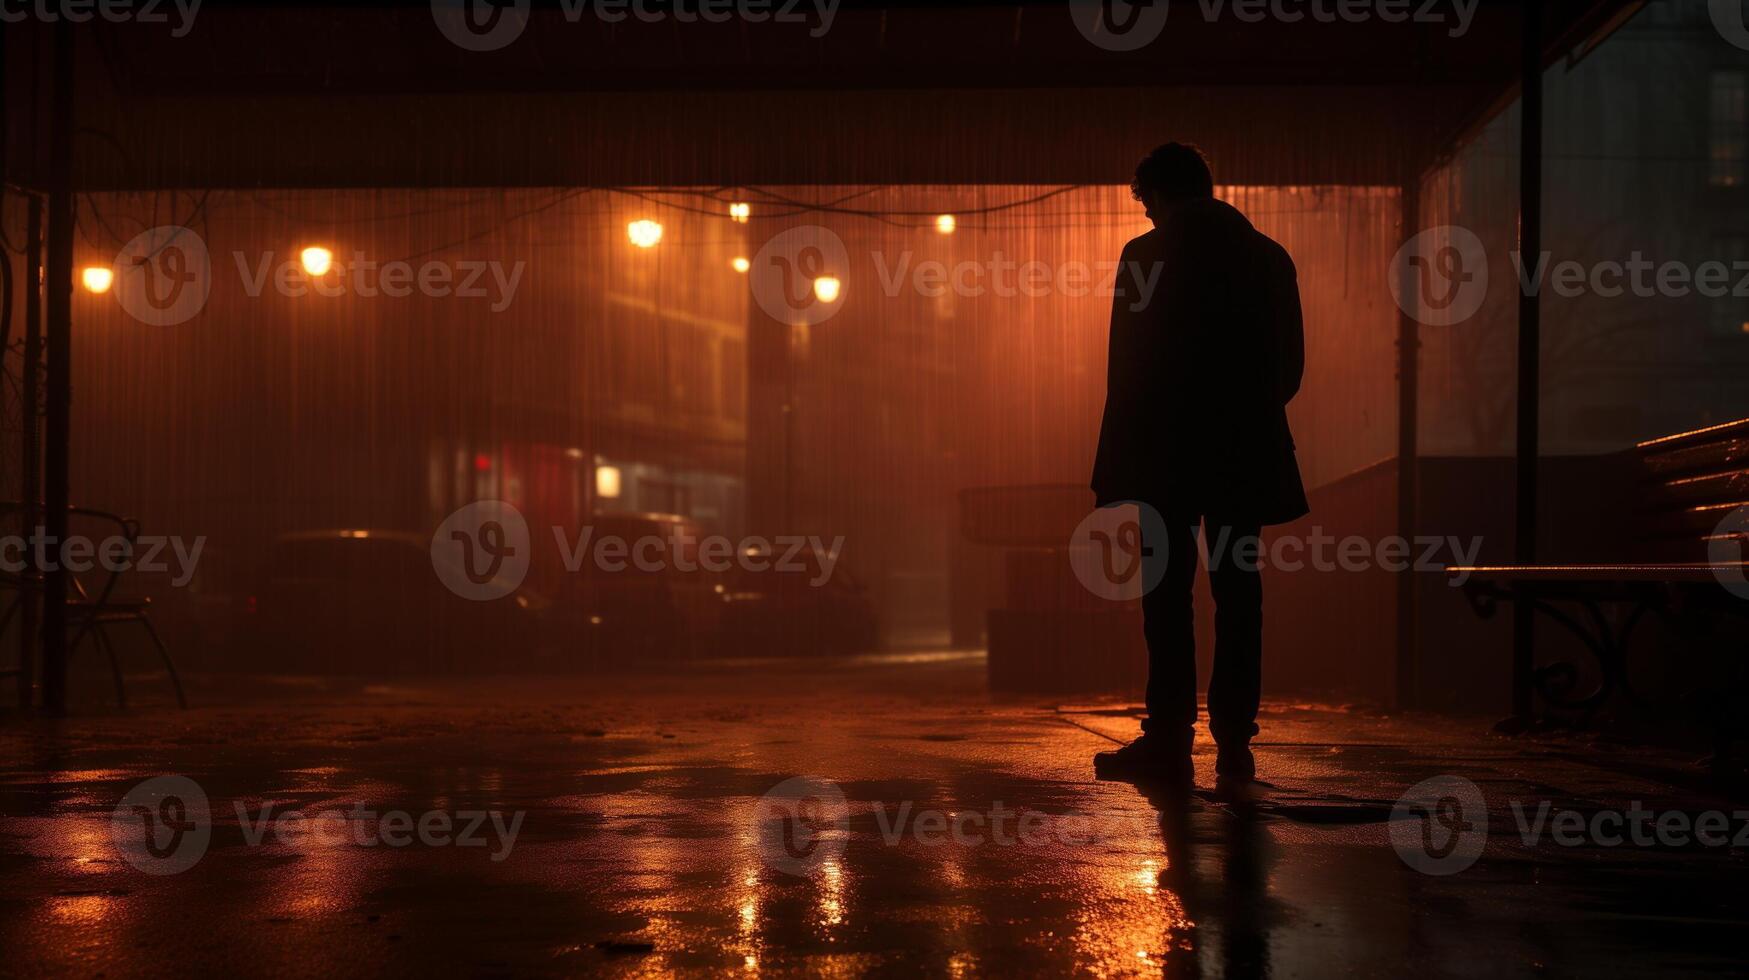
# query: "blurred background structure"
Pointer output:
{"type": "Point", "coordinates": [615, 361]}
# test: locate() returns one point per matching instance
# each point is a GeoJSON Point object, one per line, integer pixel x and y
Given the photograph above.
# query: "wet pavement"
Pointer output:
{"type": "Point", "coordinates": [645, 826]}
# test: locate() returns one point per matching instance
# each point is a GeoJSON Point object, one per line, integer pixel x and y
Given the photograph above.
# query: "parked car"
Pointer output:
{"type": "Point", "coordinates": [367, 601]}
{"type": "Point", "coordinates": [794, 607]}
{"type": "Point", "coordinates": [642, 592]}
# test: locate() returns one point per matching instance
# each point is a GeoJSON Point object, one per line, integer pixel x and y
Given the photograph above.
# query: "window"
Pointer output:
{"type": "Point", "coordinates": [1727, 117]}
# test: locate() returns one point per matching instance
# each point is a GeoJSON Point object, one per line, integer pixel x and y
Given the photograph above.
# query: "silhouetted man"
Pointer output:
{"type": "Point", "coordinates": [1202, 366]}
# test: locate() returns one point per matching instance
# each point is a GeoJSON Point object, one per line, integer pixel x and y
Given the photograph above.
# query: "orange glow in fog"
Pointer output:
{"type": "Point", "coordinates": [316, 260]}
{"type": "Point", "coordinates": [97, 278]}
{"type": "Point", "coordinates": [607, 481]}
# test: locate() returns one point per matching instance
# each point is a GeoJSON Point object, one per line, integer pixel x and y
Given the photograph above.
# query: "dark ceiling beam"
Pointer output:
{"type": "Point", "coordinates": [1255, 136]}
{"type": "Point", "coordinates": [357, 96]}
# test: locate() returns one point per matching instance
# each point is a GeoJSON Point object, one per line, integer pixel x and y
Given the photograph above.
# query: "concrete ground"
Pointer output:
{"type": "Point", "coordinates": [646, 826]}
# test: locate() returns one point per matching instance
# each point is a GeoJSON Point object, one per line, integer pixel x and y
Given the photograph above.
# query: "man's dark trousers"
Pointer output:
{"type": "Point", "coordinates": [1168, 624]}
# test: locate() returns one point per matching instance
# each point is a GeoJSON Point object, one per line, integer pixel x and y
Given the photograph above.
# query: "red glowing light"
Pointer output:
{"type": "Point", "coordinates": [482, 462]}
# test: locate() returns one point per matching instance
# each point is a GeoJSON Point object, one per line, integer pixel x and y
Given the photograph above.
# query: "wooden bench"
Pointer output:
{"type": "Point", "coordinates": [1682, 561]}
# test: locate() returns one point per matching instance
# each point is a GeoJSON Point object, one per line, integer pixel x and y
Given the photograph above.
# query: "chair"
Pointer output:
{"type": "Point", "coordinates": [92, 604]}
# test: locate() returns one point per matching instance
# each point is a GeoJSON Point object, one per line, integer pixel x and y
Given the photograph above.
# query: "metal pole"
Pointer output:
{"type": "Point", "coordinates": [789, 429]}
{"type": "Point", "coordinates": [1408, 457]}
{"type": "Point", "coordinates": [58, 284]}
{"type": "Point", "coordinates": [30, 445]}
{"type": "Point", "coordinates": [1530, 157]}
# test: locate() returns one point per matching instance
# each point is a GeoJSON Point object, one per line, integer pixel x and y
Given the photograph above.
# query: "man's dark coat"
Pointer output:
{"type": "Point", "coordinates": [1207, 348]}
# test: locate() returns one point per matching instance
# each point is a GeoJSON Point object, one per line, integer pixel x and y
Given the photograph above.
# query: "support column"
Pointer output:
{"type": "Point", "coordinates": [30, 446]}
{"type": "Point", "coordinates": [770, 424]}
{"type": "Point", "coordinates": [1530, 173]}
{"type": "Point", "coordinates": [1408, 457]}
{"type": "Point", "coordinates": [58, 285]}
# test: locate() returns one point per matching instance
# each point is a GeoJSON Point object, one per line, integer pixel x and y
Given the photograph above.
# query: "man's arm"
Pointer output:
{"type": "Point", "coordinates": [1115, 458]}
{"type": "Point", "coordinates": [1290, 330]}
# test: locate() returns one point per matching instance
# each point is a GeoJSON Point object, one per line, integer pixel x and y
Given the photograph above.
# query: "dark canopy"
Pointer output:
{"type": "Point", "coordinates": [377, 96]}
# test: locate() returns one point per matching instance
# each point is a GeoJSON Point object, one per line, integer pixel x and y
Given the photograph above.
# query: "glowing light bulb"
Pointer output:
{"type": "Point", "coordinates": [97, 278]}
{"type": "Point", "coordinates": [607, 482]}
{"type": "Point", "coordinates": [316, 260]}
{"type": "Point", "coordinates": [945, 224]}
{"type": "Point", "coordinates": [827, 288]}
{"type": "Point", "coordinates": [740, 264]}
{"type": "Point", "coordinates": [644, 233]}
{"type": "Point", "coordinates": [740, 211]}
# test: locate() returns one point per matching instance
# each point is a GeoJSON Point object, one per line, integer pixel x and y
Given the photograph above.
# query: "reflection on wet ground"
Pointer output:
{"type": "Point", "coordinates": [970, 839]}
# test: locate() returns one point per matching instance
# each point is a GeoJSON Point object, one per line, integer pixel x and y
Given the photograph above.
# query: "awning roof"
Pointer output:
{"type": "Point", "coordinates": [375, 95]}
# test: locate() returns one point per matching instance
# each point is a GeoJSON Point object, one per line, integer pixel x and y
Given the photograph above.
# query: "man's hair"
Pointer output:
{"type": "Point", "coordinates": [1176, 171]}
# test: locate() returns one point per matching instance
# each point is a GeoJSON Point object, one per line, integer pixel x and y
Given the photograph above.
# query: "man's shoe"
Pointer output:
{"type": "Point", "coordinates": [1235, 763]}
{"type": "Point", "coordinates": [1236, 774]}
{"type": "Point", "coordinates": [1149, 759]}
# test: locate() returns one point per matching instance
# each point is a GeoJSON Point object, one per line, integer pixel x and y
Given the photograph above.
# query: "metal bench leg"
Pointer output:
{"type": "Point", "coordinates": [102, 641]}
{"type": "Point", "coordinates": [169, 665]}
